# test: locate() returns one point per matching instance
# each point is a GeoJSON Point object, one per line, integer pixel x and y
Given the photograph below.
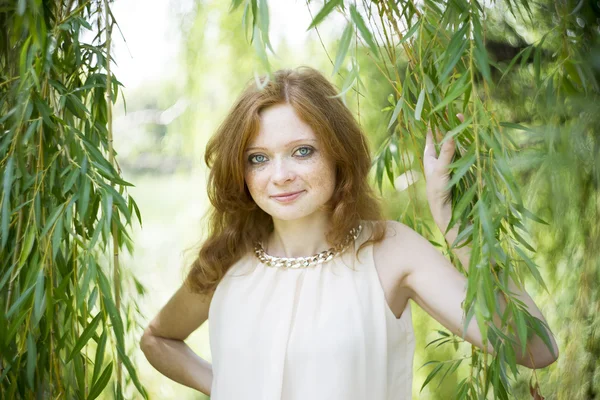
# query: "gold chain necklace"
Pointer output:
{"type": "Point", "coordinates": [303, 262]}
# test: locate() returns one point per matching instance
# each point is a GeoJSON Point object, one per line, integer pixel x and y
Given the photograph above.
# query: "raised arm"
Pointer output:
{"type": "Point", "coordinates": [163, 340]}
{"type": "Point", "coordinates": [437, 287]}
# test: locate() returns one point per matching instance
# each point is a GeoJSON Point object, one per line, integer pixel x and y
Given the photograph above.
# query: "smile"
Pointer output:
{"type": "Point", "coordinates": [289, 198]}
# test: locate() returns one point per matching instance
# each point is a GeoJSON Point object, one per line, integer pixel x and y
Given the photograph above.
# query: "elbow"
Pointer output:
{"type": "Point", "coordinates": [147, 341]}
{"type": "Point", "coordinates": [542, 361]}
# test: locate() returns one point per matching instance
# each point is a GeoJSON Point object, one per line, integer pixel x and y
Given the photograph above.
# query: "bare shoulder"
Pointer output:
{"type": "Point", "coordinates": [392, 254]}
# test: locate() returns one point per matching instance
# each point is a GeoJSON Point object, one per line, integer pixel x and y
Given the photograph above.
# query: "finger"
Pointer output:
{"type": "Point", "coordinates": [429, 146]}
{"type": "Point", "coordinates": [460, 117]}
{"type": "Point", "coordinates": [447, 152]}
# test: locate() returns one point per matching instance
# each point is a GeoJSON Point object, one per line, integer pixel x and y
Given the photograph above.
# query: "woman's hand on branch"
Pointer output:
{"type": "Point", "coordinates": [437, 176]}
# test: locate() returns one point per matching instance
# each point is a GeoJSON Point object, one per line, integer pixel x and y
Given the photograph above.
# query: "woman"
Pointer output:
{"type": "Point", "coordinates": [288, 180]}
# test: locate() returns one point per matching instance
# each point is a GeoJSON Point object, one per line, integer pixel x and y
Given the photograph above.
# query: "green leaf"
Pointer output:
{"type": "Point", "coordinates": [461, 167]}
{"type": "Point", "coordinates": [486, 221]}
{"type": "Point", "coordinates": [517, 127]}
{"type": "Point", "coordinates": [99, 359]}
{"type": "Point", "coordinates": [454, 51]}
{"type": "Point", "coordinates": [458, 88]}
{"type": "Point", "coordinates": [132, 371]}
{"type": "Point", "coordinates": [73, 175]}
{"type": "Point", "coordinates": [451, 133]}
{"type": "Point", "coordinates": [6, 186]}
{"type": "Point", "coordinates": [480, 51]}
{"type": "Point", "coordinates": [379, 173]}
{"type": "Point", "coordinates": [39, 298]}
{"type": "Point", "coordinates": [343, 47]}
{"type": "Point", "coordinates": [431, 375]}
{"type": "Point", "coordinates": [324, 12]}
{"type": "Point", "coordinates": [362, 27]}
{"type": "Point", "coordinates": [23, 298]}
{"type": "Point", "coordinates": [419, 106]}
{"type": "Point", "coordinates": [263, 20]}
{"type": "Point", "coordinates": [31, 359]}
{"type": "Point", "coordinates": [85, 336]}
{"type": "Point", "coordinates": [387, 158]}
{"type": "Point", "coordinates": [111, 309]}
{"type": "Point", "coordinates": [99, 385]}
{"type": "Point", "coordinates": [541, 330]}
{"type": "Point", "coordinates": [52, 218]}
{"type": "Point", "coordinates": [27, 246]}
{"type": "Point", "coordinates": [532, 267]}
{"type": "Point", "coordinates": [410, 32]}
{"type": "Point", "coordinates": [521, 329]}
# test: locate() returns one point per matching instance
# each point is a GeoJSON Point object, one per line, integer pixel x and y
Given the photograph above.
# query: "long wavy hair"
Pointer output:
{"type": "Point", "coordinates": [235, 222]}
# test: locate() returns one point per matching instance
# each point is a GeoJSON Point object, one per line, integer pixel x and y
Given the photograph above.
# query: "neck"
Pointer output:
{"type": "Point", "coordinates": [299, 238]}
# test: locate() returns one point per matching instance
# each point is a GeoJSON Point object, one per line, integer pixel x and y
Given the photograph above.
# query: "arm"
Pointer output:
{"type": "Point", "coordinates": [537, 354]}
{"type": "Point", "coordinates": [163, 340]}
{"type": "Point", "coordinates": [437, 287]}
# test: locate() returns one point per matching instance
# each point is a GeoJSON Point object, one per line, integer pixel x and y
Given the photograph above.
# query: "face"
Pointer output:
{"type": "Point", "coordinates": [286, 158]}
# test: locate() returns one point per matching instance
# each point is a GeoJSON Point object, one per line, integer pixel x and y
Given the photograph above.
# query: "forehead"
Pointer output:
{"type": "Point", "coordinates": [280, 125]}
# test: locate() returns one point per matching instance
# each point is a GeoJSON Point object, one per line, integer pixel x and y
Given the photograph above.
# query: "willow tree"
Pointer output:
{"type": "Point", "coordinates": [64, 324]}
{"type": "Point", "coordinates": [524, 76]}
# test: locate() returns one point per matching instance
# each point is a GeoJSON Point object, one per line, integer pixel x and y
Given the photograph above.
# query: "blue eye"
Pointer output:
{"type": "Point", "coordinates": [305, 151]}
{"type": "Point", "coordinates": [253, 159]}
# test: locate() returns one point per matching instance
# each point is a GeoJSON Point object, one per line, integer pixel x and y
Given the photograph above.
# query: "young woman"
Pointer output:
{"type": "Point", "coordinates": [305, 284]}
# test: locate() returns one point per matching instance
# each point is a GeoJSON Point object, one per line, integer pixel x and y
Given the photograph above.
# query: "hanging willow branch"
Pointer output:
{"type": "Point", "coordinates": [63, 204]}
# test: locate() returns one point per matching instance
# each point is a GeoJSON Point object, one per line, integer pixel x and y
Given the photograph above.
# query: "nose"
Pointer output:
{"type": "Point", "coordinates": [283, 172]}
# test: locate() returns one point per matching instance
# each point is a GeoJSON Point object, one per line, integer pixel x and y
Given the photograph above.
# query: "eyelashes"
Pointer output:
{"type": "Point", "coordinates": [303, 152]}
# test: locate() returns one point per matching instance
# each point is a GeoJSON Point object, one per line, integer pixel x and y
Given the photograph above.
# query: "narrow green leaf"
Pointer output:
{"type": "Point", "coordinates": [431, 375]}
{"type": "Point", "coordinates": [362, 27]}
{"type": "Point", "coordinates": [532, 267]}
{"type": "Point", "coordinates": [27, 245]}
{"type": "Point", "coordinates": [343, 47]}
{"type": "Point", "coordinates": [480, 51]}
{"type": "Point", "coordinates": [99, 359]}
{"type": "Point", "coordinates": [111, 309]}
{"type": "Point", "coordinates": [387, 158]}
{"type": "Point", "coordinates": [461, 166]}
{"type": "Point", "coordinates": [521, 329]}
{"type": "Point", "coordinates": [73, 175]}
{"type": "Point", "coordinates": [379, 173]}
{"type": "Point", "coordinates": [39, 298]}
{"type": "Point", "coordinates": [57, 236]}
{"type": "Point", "coordinates": [458, 88]}
{"type": "Point", "coordinates": [451, 133]}
{"type": "Point", "coordinates": [52, 218]}
{"type": "Point", "coordinates": [6, 186]}
{"type": "Point", "coordinates": [541, 330]}
{"type": "Point", "coordinates": [31, 359]}
{"type": "Point", "coordinates": [324, 12]}
{"type": "Point", "coordinates": [410, 32]}
{"type": "Point", "coordinates": [24, 297]}
{"type": "Point", "coordinates": [99, 385]}
{"type": "Point", "coordinates": [132, 371]}
{"type": "Point", "coordinates": [85, 336]}
{"type": "Point", "coordinates": [419, 106]}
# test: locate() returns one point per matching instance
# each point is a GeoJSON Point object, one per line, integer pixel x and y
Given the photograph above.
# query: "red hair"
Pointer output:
{"type": "Point", "coordinates": [235, 222]}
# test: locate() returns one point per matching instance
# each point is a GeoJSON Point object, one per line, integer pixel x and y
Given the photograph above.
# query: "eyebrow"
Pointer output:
{"type": "Point", "coordinates": [288, 144]}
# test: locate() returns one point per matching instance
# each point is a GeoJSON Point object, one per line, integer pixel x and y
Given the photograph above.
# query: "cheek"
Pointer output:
{"type": "Point", "coordinates": [253, 178]}
{"type": "Point", "coordinates": [325, 177]}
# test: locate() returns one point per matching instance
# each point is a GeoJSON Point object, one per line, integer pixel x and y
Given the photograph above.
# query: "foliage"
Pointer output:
{"type": "Point", "coordinates": [64, 324]}
{"type": "Point", "coordinates": [525, 76]}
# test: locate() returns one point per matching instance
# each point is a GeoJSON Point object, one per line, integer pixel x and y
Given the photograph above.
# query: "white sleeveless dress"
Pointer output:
{"type": "Point", "coordinates": [316, 333]}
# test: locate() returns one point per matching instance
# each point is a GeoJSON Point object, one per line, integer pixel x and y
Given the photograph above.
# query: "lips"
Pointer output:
{"type": "Point", "coordinates": [287, 197]}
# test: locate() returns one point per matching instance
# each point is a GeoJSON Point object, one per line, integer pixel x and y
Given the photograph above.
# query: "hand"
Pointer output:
{"type": "Point", "coordinates": [437, 176]}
